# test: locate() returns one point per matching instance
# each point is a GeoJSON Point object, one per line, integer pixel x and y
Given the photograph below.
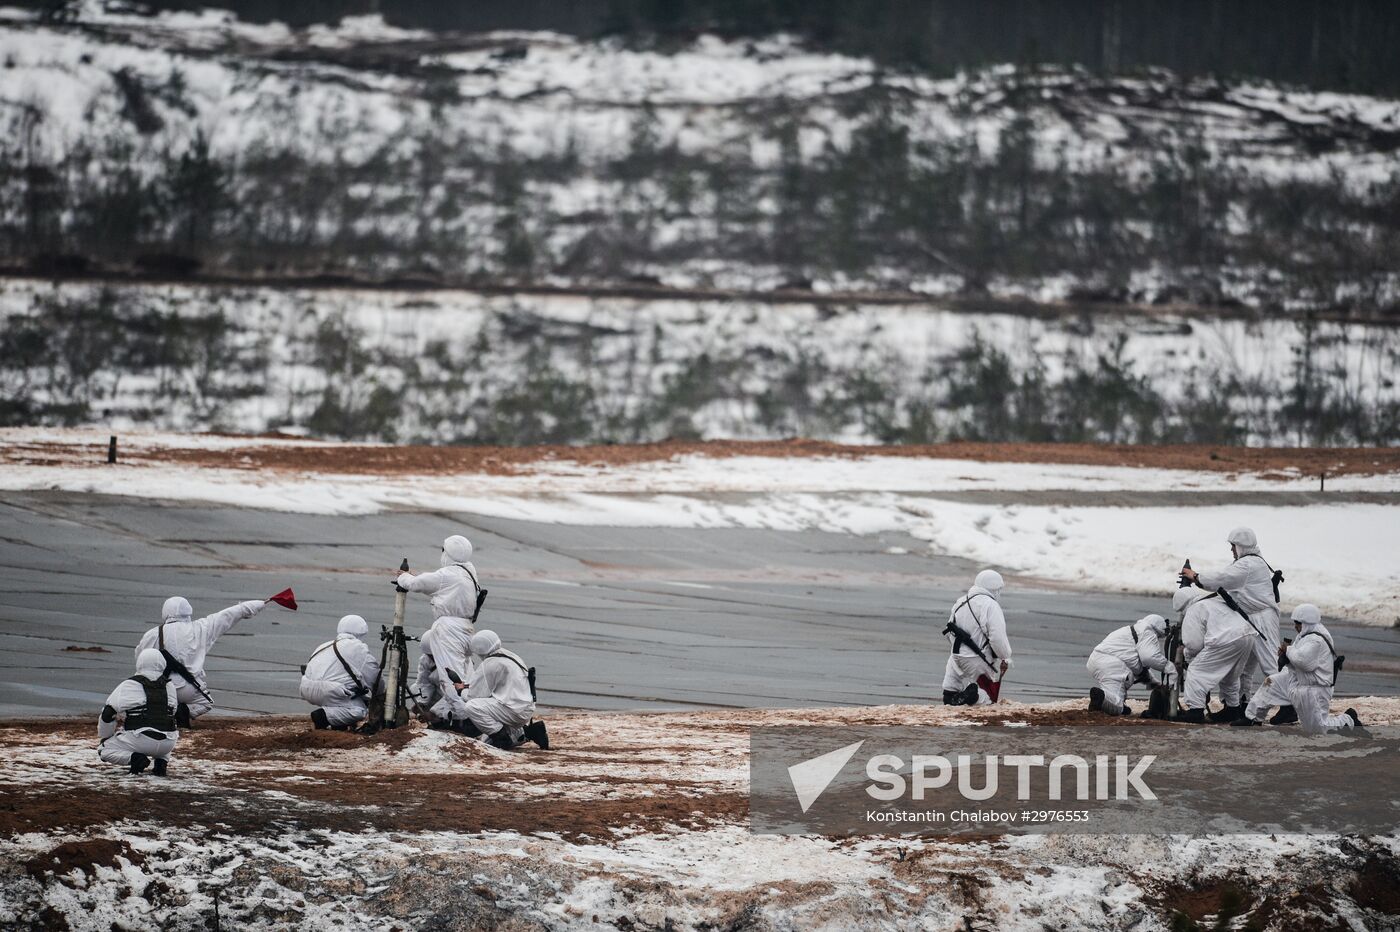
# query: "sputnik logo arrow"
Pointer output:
{"type": "Point", "coordinates": [811, 777]}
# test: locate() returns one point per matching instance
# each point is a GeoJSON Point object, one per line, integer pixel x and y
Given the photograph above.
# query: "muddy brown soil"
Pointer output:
{"type": "Point", "coordinates": [505, 460]}
{"type": "Point", "coordinates": [58, 727]}
{"type": "Point", "coordinates": [644, 791]}
{"type": "Point", "coordinates": [490, 796]}
{"type": "Point", "coordinates": [1377, 885]}
{"type": "Point", "coordinates": [82, 855]}
{"type": "Point", "coordinates": [221, 740]}
{"type": "Point", "coordinates": [352, 459]}
{"type": "Point", "coordinates": [1076, 717]}
{"type": "Point", "coordinates": [358, 802]}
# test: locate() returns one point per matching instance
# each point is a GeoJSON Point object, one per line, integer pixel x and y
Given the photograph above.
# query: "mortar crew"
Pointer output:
{"type": "Point", "coordinates": [1307, 681]}
{"type": "Point", "coordinates": [1217, 644]}
{"type": "Point", "coordinates": [1249, 583]}
{"type": "Point", "coordinates": [137, 726]}
{"type": "Point", "coordinates": [341, 677]}
{"type": "Point", "coordinates": [980, 654]}
{"type": "Point", "coordinates": [500, 702]}
{"type": "Point", "coordinates": [1122, 659]}
{"type": "Point", "coordinates": [185, 642]}
{"type": "Point", "coordinates": [452, 591]}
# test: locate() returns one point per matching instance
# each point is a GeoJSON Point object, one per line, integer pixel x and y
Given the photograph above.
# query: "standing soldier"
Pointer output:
{"type": "Point", "coordinates": [455, 596]}
{"type": "Point", "coordinates": [1248, 586]}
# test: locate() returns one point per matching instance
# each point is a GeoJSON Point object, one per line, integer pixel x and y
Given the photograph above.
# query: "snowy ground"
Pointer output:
{"type": "Point", "coordinates": [633, 821]}
{"type": "Point", "coordinates": [1089, 526]}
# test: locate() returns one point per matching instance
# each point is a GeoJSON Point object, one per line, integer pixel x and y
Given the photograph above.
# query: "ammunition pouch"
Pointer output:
{"type": "Point", "coordinates": [155, 712]}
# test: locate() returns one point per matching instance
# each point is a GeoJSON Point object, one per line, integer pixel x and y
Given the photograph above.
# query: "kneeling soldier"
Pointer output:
{"type": "Point", "coordinates": [137, 725]}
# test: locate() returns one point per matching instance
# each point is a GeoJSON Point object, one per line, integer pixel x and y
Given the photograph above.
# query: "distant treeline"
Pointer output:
{"type": "Point", "coordinates": [1187, 225]}
{"type": "Point", "coordinates": [120, 357]}
{"type": "Point", "coordinates": [1336, 44]}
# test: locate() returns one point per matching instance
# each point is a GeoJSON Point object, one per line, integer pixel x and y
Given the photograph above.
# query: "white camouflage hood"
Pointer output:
{"type": "Point", "coordinates": [151, 664]}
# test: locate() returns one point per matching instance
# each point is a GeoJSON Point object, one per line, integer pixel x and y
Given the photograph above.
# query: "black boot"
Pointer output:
{"type": "Point", "coordinates": [1244, 722]}
{"type": "Point", "coordinates": [536, 732]}
{"type": "Point", "coordinates": [1192, 716]}
{"type": "Point", "coordinates": [182, 715]}
{"type": "Point", "coordinates": [320, 719]}
{"type": "Point", "coordinates": [501, 739]}
{"type": "Point", "coordinates": [139, 762]}
{"type": "Point", "coordinates": [1286, 715]}
{"type": "Point", "coordinates": [158, 767]}
{"type": "Point", "coordinates": [464, 726]}
{"type": "Point", "coordinates": [1355, 719]}
{"type": "Point", "coordinates": [1226, 715]}
{"type": "Point", "coordinates": [1156, 704]}
{"type": "Point", "coordinates": [969, 695]}
{"type": "Point", "coordinates": [1095, 699]}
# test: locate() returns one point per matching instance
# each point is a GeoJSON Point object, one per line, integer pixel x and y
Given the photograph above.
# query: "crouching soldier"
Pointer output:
{"type": "Point", "coordinates": [1124, 658]}
{"type": "Point", "coordinates": [1219, 645]}
{"type": "Point", "coordinates": [185, 641]}
{"type": "Point", "coordinates": [426, 690]}
{"type": "Point", "coordinates": [976, 630]}
{"type": "Point", "coordinates": [500, 702]}
{"type": "Point", "coordinates": [137, 725]}
{"type": "Point", "coordinates": [341, 677]}
{"type": "Point", "coordinates": [1307, 681]}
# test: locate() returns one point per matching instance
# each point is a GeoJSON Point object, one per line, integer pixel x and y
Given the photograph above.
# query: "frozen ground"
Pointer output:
{"type": "Point", "coordinates": [633, 821]}
{"type": "Point", "coordinates": [1087, 526]}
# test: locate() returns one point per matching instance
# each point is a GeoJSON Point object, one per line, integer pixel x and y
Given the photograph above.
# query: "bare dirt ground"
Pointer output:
{"type": "Point", "coordinates": [634, 821]}
{"type": "Point", "coordinates": [641, 771]}
{"type": "Point", "coordinates": [368, 459]}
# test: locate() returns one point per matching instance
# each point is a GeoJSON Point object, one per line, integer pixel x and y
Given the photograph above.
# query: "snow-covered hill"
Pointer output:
{"type": "Point", "coordinates": [370, 150]}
